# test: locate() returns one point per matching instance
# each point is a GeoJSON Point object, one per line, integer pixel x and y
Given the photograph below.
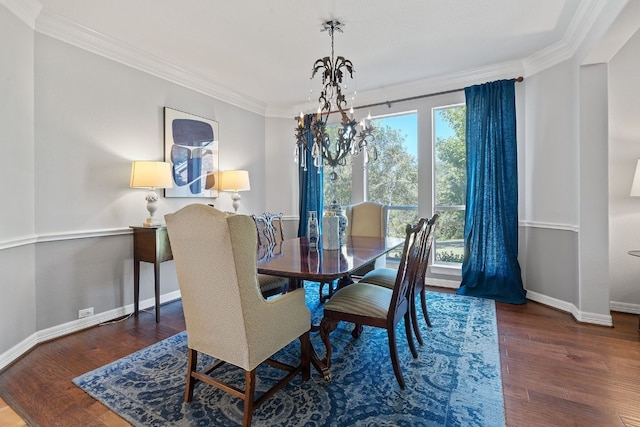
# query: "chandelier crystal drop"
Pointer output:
{"type": "Point", "coordinates": [353, 138]}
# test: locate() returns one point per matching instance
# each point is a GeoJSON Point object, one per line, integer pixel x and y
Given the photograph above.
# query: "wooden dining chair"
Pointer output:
{"type": "Point", "coordinates": [366, 304]}
{"type": "Point", "coordinates": [386, 277]}
{"type": "Point", "coordinates": [270, 237]}
{"type": "Point", "coordinates": [225, 313]}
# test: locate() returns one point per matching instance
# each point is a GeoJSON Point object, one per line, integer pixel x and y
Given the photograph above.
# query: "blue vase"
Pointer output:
{"type": "Point", "coordinates": [312, 229]}
{"type": "Point", "coordinates": [343, 220]}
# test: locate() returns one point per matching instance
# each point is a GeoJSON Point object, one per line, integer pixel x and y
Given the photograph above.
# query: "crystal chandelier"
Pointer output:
{"type": "Point", "coordinates": [352, 138]}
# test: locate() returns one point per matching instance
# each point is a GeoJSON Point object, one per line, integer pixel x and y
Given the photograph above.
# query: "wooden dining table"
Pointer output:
{"type": "Point", "coordinates": [293, 258]}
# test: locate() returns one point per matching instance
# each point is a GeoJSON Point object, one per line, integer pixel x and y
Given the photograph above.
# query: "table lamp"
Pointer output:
{"type": "Point", "coordinates": [235, 180]}
{"type": "Point", "coordinates": [151, 175]}
{"type": "Point", "coordinates": [635, 186]}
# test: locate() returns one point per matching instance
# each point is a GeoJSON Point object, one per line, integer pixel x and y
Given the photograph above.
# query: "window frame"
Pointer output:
{"type": "Point", "coordinates": [442, 266]}
{"type": "Point", "coordinates": [443, 274]}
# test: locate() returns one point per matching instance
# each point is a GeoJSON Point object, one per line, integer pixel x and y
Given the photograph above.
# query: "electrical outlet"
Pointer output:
{"type": "Point", "coordinates": [85, 312]}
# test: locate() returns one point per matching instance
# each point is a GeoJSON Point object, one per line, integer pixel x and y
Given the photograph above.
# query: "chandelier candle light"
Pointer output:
{"type": "Point", "coordinates": [151, 175]}
{"type": "Point", "coordinates": [350, 140]}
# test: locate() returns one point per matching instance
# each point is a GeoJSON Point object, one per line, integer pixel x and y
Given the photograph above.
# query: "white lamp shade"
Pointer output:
{"type": "Point", "coordinates": [147, 174]}
{"type": "Point", "coordinates": [235, 181]}
{"type": "Point", "coordinates": [635, 187]}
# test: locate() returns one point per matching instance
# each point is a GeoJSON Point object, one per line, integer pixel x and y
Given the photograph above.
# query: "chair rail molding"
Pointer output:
{"type": "Point", "coordinates": [550, 226]}
{"type": "Point", "coordinates": [18, 241]}
{"type": "Point", "coordinates": [60, 236]}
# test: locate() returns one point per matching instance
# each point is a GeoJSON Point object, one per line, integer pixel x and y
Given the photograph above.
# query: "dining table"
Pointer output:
{"type": "Point", "coordinates": [295, 259]}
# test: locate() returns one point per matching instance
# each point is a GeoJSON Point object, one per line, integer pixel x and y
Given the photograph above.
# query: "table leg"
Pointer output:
{"type": "Point", "coordinates": [321, 367]}
{"type": "Point", "coordinates": [156, 268]}
{"type": "Point", "coordinates": [316, 360]}
{"type": "Point", "coordinates": [136, 287]}
{"type": "Point", "coordinates": [345, 281]}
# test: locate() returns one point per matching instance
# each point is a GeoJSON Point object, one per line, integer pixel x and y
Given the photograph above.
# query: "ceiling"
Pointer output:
{"type": "Point", "coordinates": [261, 52]}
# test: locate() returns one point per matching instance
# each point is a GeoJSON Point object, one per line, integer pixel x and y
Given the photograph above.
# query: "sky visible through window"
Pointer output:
{"type": "Point", "coordinates": [407, 124]}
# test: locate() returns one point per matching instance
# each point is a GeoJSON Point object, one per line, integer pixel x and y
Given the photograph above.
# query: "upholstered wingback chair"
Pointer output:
{"type": "Point", "coordinates": [367, 219]}
{"type": "Point", "coordinates": [225, 313]}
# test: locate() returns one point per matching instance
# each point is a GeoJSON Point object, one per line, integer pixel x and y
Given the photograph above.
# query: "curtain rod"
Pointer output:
{"type": "Point", "coordinates": [411, 98]}
{"type": "Point", "coordinates": [389, 103]}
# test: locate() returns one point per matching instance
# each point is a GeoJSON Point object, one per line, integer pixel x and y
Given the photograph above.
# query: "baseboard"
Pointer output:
{"type": "Point", "coordinates": [624, 307]}
{"type": "Point", "coordinates": [580, 316]}
{"type": "Point", "coordinates": [443, 283]}
{"type": "Point", "coordinates": [57, 331]}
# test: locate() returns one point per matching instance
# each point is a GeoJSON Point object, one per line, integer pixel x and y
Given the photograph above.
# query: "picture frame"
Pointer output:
{"type": "Point", "coordinates": [191, 148]}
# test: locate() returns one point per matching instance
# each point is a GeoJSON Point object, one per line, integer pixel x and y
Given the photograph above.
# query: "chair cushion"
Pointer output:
{"type": "Point", "coordinates": [363, 299]}
{"type": "Point", "coordinates": [269, 283]}
{"type": "Point", "coordinates": [381, 276]}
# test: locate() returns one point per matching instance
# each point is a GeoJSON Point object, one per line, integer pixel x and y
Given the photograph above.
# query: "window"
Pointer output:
{"type": "Point", "coordinates": [449, 126]}
{"type": "Point", "coordinates": [393, 178]}
{"type": "Point", "coordinates": [337, 181]}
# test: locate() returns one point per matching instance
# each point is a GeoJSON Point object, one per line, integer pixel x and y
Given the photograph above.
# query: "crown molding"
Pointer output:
{"type": "Point", "coordinates": [583, 20]}
{"type": "Point", "coordinates": [26, 10]}
{"type": "Point", "coordinates": [63, 29]}
{"type": "Point", "coordinates": [53, 25]}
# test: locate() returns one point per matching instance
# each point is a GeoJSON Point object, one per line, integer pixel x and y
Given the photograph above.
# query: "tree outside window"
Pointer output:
{"type": "Point", "coordinates": [450, 182]}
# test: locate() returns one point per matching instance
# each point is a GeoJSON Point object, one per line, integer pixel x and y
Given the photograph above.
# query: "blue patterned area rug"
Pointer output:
{"type": "Point", "coordinates": [455, 381]}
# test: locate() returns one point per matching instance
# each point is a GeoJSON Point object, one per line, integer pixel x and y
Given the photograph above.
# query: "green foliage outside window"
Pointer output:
{"type": "Point", "coordinates": [451, 181]}
{"type": "Point", "coordinates": [392, 180]}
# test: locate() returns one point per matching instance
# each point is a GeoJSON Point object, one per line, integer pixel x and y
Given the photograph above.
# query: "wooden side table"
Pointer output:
{"type": "Point", "coordinates": [635, 253]}
{"type": "Point", "coordinates": [150, 244]}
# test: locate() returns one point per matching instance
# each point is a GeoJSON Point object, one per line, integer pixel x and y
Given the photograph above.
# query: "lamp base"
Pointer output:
{"type": "Point", "coordinates": [236, 201]}
{"type": "Point", "coordinates": [152, 207]}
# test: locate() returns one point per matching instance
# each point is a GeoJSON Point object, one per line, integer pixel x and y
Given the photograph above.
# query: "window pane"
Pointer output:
{"type": "Point", "coordinates": [337, 181]}
{"type": "Point", "coordinates": [450, 156]}
{"type": "Point", "coordinates": [449, 124]}
{"type": "Point", "coordinates": [392, 179]}
{"type": "Point", "coordinates": [449, 239]}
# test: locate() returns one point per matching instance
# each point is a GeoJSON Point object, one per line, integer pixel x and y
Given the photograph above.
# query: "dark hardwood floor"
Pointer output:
{"type": "Point", "coordinates": [555, 371]}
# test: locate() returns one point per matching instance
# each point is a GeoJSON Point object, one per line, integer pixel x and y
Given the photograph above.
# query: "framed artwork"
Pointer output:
{"type": "Point", "coordinates": [191, 147]}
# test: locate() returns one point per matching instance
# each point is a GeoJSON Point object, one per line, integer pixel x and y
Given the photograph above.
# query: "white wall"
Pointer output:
{"type": "Point", "coordinates": [593, 208]}
{"type": "Point", "coordinates": [551, 182]}
{"type": "Point", "coordinates": [71, 123]}
{"type": "Point", "coordinates": [93, 116]}
{"type": "Point", "coordinates": [17, 282]}
{"type": "Point", "coordinates": [624, 151]}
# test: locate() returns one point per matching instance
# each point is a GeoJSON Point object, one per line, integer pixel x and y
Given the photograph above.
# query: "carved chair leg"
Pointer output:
{"type": "Point", "coordinates": [414, 317]}
{"type": "Point", "coordinates": [425, 312]}
{"type": "Point", "coordinates": [249, 397]}
{"type": "Point", "coordinates": [407, 328]}
{"type": "Point", "coordinates": [414, 320]}
{"type": "Point", "coordinates": [191, 367]}
{"type": "Point", "coordinates": [326, 327]}
{"type": "Point", "coordinates": [393, 350]}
